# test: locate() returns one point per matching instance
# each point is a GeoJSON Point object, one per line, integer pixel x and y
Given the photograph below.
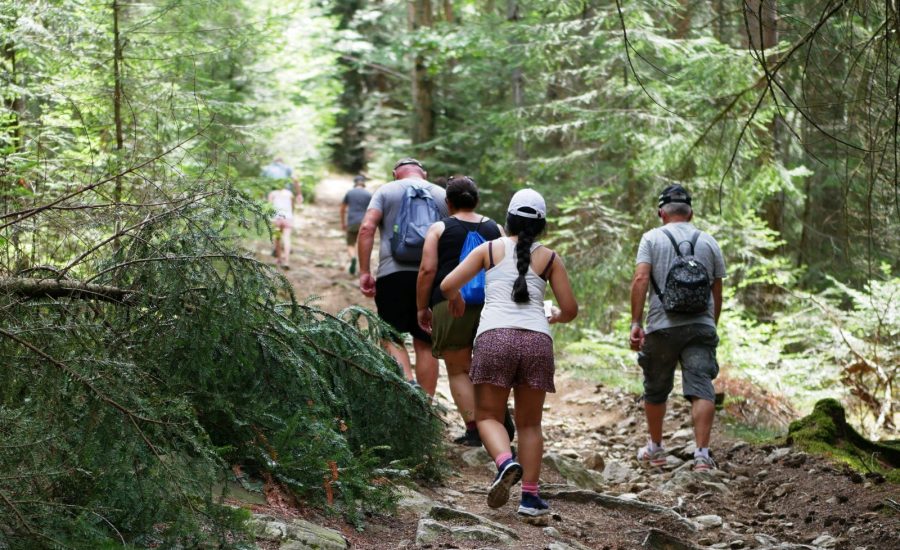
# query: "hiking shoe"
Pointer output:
{"type": "Point", "coordinates": [469, 439]}
{"type": "Point", "coordinates": [704, 464]}
{"type": "Point", "coordinates": [656, 458]}
{"type": "Point", "coordinates": [510, 473]}
{"type": "Point", "coordinates": [352, 269]}
{"type": "Point", "coordinates": [533, 506]}
{"type": "Point", "coordinates": [509, 424]}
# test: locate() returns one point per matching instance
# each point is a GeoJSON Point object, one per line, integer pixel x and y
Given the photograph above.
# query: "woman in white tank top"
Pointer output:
{"type": "Point", "coordinates": [514, 348]}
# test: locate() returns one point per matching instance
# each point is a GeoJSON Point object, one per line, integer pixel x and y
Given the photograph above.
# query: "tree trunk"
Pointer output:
{"type": "Point", "coordinates": [682, 19]}
{"type": "Point", "coordinates": [517, 85]}
{"type": "Point", "coordinates": [420, 16]}
{"type": "Point", "coordinates": [760, 35]}
{"type": "Point", "coordinates": [117, 97]}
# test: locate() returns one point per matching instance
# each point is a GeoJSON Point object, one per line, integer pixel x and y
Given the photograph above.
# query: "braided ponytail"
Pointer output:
{"type": "Point", "coordinates": [527, 230]}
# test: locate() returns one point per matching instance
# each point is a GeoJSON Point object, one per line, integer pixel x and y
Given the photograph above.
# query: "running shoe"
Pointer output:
{"type": "Point", "coordinates": [352, 269]}
{"type": "Point", "coordinates": [510, 473]}
{"type": "Point", "coordinates": [532, 505]}
{"type": "Point", "coordinates": [469, 439]}
{"type": "Point", "coordinates": [704, 464]}
{"type": "Point", "coordinates": [656, 458]}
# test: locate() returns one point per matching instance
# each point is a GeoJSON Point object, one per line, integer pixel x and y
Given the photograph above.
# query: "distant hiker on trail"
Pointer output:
{"type": "Point", "coordinates": [278, 170]}
{"type": "Point", "coordinates": [282, 200]}
{"type": "Point", "coordinates": [402, 211]}
{"type": "Point", "coordinates": [446, 243]}
{"type": "Point", "coordinates": [685, 268]}
{"type": "Point", "coordinates": [513, 346]}
{"type": "Point", "coordinates": [353, 210]}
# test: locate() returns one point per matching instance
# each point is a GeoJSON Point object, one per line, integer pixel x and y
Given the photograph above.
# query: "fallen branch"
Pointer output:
{"type": "Point", "coordinates": [28, 287]}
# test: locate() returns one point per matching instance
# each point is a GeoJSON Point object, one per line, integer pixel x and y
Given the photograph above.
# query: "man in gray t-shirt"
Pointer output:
{"type": "Point", "coordinates": [353, 210]}
{"type": "Point", "coordinates": [671, 338]}
{"type": "Point", "coordinates": [394, 289]}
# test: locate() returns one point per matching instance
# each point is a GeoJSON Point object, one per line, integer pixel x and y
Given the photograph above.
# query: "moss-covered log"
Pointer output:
{"type": "Point", "coordinates": [825, 431]}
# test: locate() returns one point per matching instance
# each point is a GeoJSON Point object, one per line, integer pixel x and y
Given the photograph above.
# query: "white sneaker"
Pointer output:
{"type": "Point", "coordinates": [656, 458]}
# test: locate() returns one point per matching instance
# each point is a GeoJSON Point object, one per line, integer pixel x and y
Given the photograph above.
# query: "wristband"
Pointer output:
{"type": "Point", "coordinates": [636, 324]}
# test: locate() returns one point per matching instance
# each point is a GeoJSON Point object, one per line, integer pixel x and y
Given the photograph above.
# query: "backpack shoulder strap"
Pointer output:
{"type": "Point", "coordinates": [694, 243]}
{"type": "Point", "coordinates": [546, 272]}
{"type": "Point", "coordinates": [490, 254]}
{"type": "Point", "coordinates": [672, 240]}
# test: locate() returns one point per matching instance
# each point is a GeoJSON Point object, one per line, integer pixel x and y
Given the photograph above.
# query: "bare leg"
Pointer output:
{"type": "Point", "coordinates": [351, 251]}
{"type": "Point", "coordinates": [655, 413]}
{"type": "Point", "coordinates": [458, 363]}
{"type": "Point", "coordinates": [529, 411]}
{"type": "Point", "coordinates": [285, 245]}
{"type": "Point", "coordinates": [400, 355]}
{"type": "Point", "coordinates": [703, 412]}
{"type": "Point", "coordinates": [426, 366]}
{"type": "Point", "coordinates": [490, 408]}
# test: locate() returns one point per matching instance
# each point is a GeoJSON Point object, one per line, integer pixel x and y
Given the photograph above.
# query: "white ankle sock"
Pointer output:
{"type": "Point", "coordinates": [653, 446]}
{"type": "Point", "coordinates": [704, 452]}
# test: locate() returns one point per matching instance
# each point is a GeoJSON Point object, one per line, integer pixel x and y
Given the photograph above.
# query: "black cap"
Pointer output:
{"type": "Point", "coordinates": [674, 193]}
{"type": "Point", "coordinates": [407, 161]}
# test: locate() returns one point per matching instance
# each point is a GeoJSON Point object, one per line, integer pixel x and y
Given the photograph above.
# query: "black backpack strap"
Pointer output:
{"type": "Point", "coordinates": [655, 287]}
{"type": "Point", "coordinates": [694, 243]}
{"type": "Point", "coordinates": [673, 241]}
{"type": "Point", "coordinates": [546, 272]}
{"type": "Point", "coordinates": [491, 254]}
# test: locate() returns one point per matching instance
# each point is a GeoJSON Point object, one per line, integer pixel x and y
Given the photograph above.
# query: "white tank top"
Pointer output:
{"type": "Point", "coordinates": [500, 311]}
{"type": "Point", "coordinates": [283, 203]}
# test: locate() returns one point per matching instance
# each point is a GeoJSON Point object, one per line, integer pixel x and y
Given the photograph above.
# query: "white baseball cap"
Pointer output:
{"type": "Point", "coordinates": [528, 198]}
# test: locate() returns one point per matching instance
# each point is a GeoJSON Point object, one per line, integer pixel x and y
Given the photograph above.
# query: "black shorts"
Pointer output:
{"type": "Point", "coordinates": [395, 299]}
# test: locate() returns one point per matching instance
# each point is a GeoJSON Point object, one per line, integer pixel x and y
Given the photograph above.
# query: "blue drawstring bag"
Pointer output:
{"type": "Point", "coordinates": [473, 291]}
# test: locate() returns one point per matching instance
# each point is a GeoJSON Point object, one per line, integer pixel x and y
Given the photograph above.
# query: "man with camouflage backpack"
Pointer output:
{"type": "Point", "coordinates": [402, 211]}
{"type": "Point", "coordinates": [684, 266]}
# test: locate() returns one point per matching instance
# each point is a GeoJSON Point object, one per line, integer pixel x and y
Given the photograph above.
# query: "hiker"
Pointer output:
{"type": "Point", "coordinates": [278, 170]}
{"type": "Point", "coordinates": [685, 268]}
{"type": "Point", "coordinates": [446, 244]}
{"type": "Point", "coordinates": [402, 211]}
{"type": "Point", "coordinates": [282, 200]}
{"type": "Point", "coordinates": [353, 209]}
{"type": "Point", "coordinates": [513, 346]}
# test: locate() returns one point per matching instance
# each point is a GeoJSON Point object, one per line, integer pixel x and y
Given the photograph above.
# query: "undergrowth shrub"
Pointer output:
{"type": "Point", "coordinates": [121, 405]}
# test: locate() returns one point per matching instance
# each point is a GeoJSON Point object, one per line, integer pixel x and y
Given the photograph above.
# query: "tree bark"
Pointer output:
{"type": "Point", "coordinates": [420, 16]}
{"type": "Point", "coordinates": [117, 96]}
{"type": "Point", "coordinates": [30, 288]}
{"type": "Point", "coordinates": [682, 19]}
{"type": "Point", "coordinates": [517, 86]}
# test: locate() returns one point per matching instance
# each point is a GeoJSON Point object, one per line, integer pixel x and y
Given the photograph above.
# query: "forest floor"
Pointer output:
{"type": "Point", "coordinates": [762, 496]}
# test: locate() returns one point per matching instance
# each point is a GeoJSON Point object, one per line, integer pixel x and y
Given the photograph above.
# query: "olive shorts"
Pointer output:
{"type": "Point", "coordinates": [450, 333]}
{"type": "Point", "coordinates": [694, 346]}
{"type": "Point", "coordinates": [352, 234]}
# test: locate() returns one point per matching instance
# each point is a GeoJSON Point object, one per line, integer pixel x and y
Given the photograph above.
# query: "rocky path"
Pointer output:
{"type": "Point", "coordinates": [761, 497]}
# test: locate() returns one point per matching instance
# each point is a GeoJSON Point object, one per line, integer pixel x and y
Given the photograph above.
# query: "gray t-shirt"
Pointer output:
{"type": "Point", "coordinates": [656, 249]}
{"type": "Point", "coordinates": [388, 199]}
{"type": "Point", "coordinates": [357, 201]}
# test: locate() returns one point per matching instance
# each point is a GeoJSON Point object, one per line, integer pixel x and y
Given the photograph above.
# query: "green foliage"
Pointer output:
{"type": "Point", "coordinates": [825, 431]}
{"type": "Point", "coordinates": [120, 416]}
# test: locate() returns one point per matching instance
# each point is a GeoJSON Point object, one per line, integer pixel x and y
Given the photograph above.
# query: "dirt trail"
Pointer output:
{"type": "Point", "coordinates": [761, 497]}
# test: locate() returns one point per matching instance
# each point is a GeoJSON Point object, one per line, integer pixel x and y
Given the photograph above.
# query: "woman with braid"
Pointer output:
{"type": "Point", "coordinates": [513, 346]}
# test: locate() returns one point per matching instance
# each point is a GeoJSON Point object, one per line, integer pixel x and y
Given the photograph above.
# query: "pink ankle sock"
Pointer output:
{"type": "Point", "coordinates": [530, 487]}
{"type": "Point", "coordinates": [501, 458]}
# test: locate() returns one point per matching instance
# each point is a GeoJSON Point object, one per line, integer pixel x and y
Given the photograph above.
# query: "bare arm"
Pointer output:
{"type": "Point", "coordinates": [639, 285]}
{"type": "Point", "coordinates": [717, 299]}
{"type": "Point", "coordinates": [428, 267]}
{"type": "Point", "coordinates": [465, 271]}
{"type": "Point", "coordinates": [344, 216]}
{"type": "Point", "coordinates": [562, 290]}
{"type": "Point", "coordinates": [364, 250]}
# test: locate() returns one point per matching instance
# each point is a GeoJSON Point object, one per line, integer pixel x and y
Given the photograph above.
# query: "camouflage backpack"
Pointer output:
{"type": "Point", "coordinates": [687, 288]}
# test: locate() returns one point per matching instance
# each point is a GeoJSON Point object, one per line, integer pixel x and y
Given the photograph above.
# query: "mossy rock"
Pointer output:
{"type": "Point", "coordinates": [826, 432]}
